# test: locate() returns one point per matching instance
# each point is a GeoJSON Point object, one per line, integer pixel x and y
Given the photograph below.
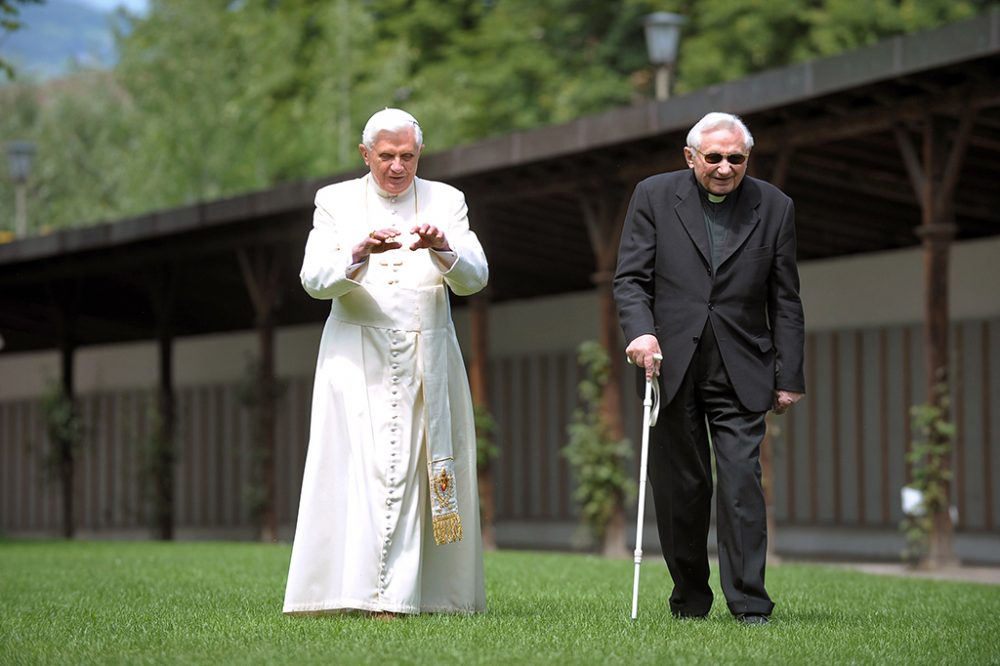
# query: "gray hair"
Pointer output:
{"type": "Point", "coordinates": [390, 120]}
{"type": "Point", "coordinates": [718, 120]}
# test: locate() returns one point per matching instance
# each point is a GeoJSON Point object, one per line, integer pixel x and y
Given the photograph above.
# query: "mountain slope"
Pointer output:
{"type": "Point", "coordinates": [58, 37]}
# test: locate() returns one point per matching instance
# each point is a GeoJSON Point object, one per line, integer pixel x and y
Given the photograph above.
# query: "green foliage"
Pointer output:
{"type": "Point", "coordinates": [929, 455]}
{"type": "Point", "coordinates": [66, 432]}
{"type": "Point", "coordinates": [83, 171]}
{"type": "Point", "coordinates": [597, 460]}
{"type": "Point", "coordinates": [213, 99]}
{"type": "Point", "coordinates": [729, 40]}
{"type": "Point", "coordinates": [486, 432]}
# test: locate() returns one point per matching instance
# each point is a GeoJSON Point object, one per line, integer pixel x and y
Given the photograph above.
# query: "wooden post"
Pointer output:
{"type": "Point", "coordinates": [262, 268]}
{"type": "Point", "coordinates": [164, 451]}
{"type": "Point", "coordinates": [604, 230]}
{"type": "Point", "coordinates": [62, 299]}
{"type": "Point", "coordinates": [767, 474]}
{"type": "Point", "coordinates": [67, 459]}
{"type": "Point", "coordinates": [161, 296]}
{"type": "Point", "coordinates": [936, 232]}
{"type": "Point", "coordinates": [478, 380]}
{"type": "Point", "coordinates": [934, 182]}
{"type": "Point", "coordinates": [779, 174]}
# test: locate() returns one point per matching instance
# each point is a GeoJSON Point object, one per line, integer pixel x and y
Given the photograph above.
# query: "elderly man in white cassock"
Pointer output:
{"type": "Point", "coordinates": [388, 518]}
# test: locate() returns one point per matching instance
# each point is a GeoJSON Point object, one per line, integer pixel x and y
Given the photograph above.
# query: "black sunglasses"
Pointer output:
{"type": "Point", "coordinates": [715, 158]}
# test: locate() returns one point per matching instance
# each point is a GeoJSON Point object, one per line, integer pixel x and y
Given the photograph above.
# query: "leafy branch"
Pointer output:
{"type": "Point", "coordinates": [596, 458]}
{"type": "Point", "coordinates": [931, 449]}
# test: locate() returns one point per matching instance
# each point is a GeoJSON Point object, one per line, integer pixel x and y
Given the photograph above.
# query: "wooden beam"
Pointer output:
{"type": "Point", "coordinates": [956, 157]}
{"type": "Point", "coordinates": [911, 160]}
{"type": "Point", "coordinates": [809, 132]}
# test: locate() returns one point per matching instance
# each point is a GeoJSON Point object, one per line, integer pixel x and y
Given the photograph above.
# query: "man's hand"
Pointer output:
{"type": "Point", "coordinates": [378, 241]}
{"type": "Point", "coordinates": [785, 399]}
{"type": "Point", "coordinates": [430, 237]}
{"type": "Point", "coordinates": [644, 352]}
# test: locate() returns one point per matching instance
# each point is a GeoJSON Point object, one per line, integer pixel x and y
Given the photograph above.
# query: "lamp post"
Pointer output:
{"type": "Point", "coordinates": [663, 33]}
{"type": "Point", "coordinates": [19, 156]}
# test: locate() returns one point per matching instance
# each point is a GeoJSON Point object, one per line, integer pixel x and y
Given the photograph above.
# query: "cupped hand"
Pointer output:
{"type": "Point", "coordinates": [430, 237]}
{"type": "Point", "coordinates": [376, 242]}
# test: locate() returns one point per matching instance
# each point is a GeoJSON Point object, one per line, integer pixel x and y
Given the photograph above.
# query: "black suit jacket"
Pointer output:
{"type": "Point", "coordinates": [664, 285]}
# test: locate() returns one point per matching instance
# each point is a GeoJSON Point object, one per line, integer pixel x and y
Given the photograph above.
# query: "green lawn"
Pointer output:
{"type": "Point", "coordinates": [219, 603]}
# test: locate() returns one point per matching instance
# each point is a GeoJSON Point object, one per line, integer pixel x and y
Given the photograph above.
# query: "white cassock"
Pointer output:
{"type": "Point", "coordinates": [389, 376]}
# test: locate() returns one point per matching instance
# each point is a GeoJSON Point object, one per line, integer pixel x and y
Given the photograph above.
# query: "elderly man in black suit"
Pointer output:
{"type": "Point", "coordinates": [707, 279]}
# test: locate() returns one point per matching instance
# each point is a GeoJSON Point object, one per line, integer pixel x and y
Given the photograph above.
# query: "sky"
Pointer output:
{"type": "Point", "coordinates": [109, 5]}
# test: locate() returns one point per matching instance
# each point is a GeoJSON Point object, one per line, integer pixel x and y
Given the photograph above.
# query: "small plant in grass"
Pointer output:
{"type": "Point", "coordinates": [596, 458]}
{"type": "Point", "coordinates": [929, 454]}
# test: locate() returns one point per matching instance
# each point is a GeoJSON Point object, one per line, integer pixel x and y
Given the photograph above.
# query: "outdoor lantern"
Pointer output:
{"type": "Point", "coordinates": [19, 156]}
{"type": "Point", "coordinates": [663, 33]}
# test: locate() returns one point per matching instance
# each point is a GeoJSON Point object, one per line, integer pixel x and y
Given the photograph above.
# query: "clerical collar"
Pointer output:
{"type": "Point", "coordinates": [717, 199]}
{"type": "Point", "coordinates": [389, 195]}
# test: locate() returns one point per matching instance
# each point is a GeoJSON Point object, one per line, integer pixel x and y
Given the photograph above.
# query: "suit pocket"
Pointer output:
{"type": "Point", "coordinates": [757, 253]}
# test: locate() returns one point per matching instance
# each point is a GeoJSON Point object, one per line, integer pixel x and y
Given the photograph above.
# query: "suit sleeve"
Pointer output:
{"type": "Point", "coordinates": [634, 277]}
{"type": "Point", "coordinates": [784, 308]}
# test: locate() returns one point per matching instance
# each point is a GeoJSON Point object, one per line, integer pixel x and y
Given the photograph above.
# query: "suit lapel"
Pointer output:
{"type": "Point", "coordinates": [745, 218]}
{"type": "Point", "coordinates": [689, 211]}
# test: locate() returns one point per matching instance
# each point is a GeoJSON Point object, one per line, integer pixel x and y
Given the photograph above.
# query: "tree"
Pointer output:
{"type": "Point", "coordinates": [214, 98]}
{"type": "Point", "coordinates": [236, 97]}
{"type": "Point", "coordinates": [728, 40]}
{"type": "Point", "coordinates": [82, 130]}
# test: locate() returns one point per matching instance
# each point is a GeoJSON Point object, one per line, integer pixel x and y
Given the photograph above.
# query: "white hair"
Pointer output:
{"type": "Point", "coordinates": [718, 120]}
{"type": "Point", "coordinates": [390, 120]}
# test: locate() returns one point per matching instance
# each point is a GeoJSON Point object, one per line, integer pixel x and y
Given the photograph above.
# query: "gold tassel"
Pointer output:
{"type": "Point", "coordinates": [447, 528]}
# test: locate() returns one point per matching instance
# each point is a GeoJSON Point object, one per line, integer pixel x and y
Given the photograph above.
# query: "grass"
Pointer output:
{"type": "Point", "coordinates": [219, 603]}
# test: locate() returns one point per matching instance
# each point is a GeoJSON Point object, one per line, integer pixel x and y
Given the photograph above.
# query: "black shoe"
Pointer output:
{"type": "Point", "coordinates": [752, 618]}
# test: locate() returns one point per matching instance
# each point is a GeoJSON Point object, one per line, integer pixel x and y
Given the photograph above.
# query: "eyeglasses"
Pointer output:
{"type": "Point", "coordinates": [715, 158]}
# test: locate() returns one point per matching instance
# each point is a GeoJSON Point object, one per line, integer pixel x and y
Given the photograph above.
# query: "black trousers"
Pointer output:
{"type": "Point", "coordinates": [680, 476]}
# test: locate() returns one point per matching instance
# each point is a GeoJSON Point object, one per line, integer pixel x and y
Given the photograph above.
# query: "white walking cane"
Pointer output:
{"type": "Point", "coordinates": [650, 412]}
